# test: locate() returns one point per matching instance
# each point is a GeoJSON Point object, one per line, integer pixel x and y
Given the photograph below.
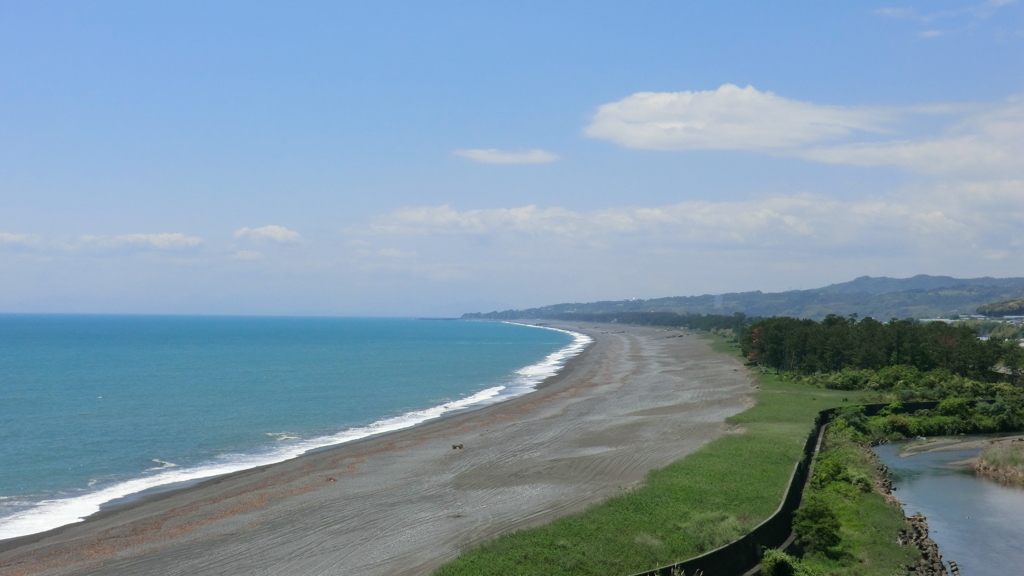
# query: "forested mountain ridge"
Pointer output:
{"type": "Point", "coordinates": [921, 296]}
{"type": "Point", "coordinates": [883, 285]}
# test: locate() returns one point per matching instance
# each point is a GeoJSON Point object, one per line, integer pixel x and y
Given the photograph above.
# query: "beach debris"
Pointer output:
{"type": "Point", "coordinates": [331, 479]}
{"type": "Point", "coordinates": [456, 446]}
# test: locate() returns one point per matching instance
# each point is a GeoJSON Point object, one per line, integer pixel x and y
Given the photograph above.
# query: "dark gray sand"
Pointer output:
{"type": "Point", "coordinates": [406, 502]}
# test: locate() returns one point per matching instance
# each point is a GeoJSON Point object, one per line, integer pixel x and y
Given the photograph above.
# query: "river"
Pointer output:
{"type": "Point", "coordinates": [977, 523]}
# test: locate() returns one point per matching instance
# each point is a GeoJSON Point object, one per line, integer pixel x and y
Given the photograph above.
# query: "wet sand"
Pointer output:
{"type": "Point", "coordinates": [403, 503]}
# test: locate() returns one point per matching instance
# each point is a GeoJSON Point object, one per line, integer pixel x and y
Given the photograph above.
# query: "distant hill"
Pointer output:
{"type": "Point", "coordinates": [883, 285]}
{"type": "Point", "coordinates": [1005, 308]}
{"type": "Point", "coordinates": [881, 298]}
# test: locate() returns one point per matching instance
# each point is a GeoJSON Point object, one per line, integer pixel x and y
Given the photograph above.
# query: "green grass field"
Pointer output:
{"type": "Point", "coordinates": [694, 505]}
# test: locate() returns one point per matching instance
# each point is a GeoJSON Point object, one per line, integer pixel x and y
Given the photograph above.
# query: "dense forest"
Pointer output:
{"type": "Point", "coordinates": [837, 343]}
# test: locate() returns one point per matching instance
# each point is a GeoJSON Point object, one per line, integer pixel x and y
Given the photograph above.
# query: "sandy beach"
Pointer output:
{"type": "Point", "coordinates": [405, 502]}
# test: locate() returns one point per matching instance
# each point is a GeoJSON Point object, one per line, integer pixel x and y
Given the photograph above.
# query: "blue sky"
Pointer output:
{"type": "Point", "coordinates": [396, 158]}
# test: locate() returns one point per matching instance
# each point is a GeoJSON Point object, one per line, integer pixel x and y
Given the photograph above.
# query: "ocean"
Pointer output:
{"type": "Point", "coordinates": [95, 408]}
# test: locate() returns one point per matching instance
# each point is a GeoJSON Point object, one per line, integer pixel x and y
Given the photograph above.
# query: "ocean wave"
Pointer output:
{"type": "Point", "coordinates": [49, 514]}
{"type": "Point", "coordinates": [162, 465]}
{"type": "Point", "coordinates": [282, 436]}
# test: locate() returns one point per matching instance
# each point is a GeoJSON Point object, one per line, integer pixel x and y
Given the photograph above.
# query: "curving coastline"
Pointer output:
{"type": "Point", "coordinates": [56, 513]}
{"type": "Point", "coordinates": [404, 502]}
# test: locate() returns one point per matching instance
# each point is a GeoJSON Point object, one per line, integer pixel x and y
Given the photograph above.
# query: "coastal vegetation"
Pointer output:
{"type": "Point", "coordinates": [839, 343]}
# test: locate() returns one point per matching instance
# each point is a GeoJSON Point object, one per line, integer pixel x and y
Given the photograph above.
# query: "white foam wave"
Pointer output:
{"type": "Point", "coordinates": [162, 465]}
{"type": "Point", "coordinates": [49, 514]}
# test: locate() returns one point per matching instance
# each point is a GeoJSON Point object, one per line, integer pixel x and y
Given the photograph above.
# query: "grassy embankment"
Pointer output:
{"type": "Point", "coordinates": [1008, 457]}
{"type": "Point", "coordinates": [694, 505]}
{"type": "Point", "coordinates": [1004, 462]}
{"type": "Point", "coordinates": [846, 526]}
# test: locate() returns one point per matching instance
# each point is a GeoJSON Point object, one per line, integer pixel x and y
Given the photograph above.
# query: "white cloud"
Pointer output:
{"type": "Point", "coordinates": [248, 255]}
{"type": "Point", "coordinates": [806, 222]}
{"type": "Point", "coordinates": [494, 156]}
{"type": "Point", "coordinates": [930, 34]}
{"type": "Point", "coordinates": [269, 232]}
{"type": "Point", "coordinates": [982, 138]}
{"type": "Point", "coordinates": [729, 118]}
{"type": "Point", "coordinates": [551, 254]}
{"type": "Point", "coordinates": [162, 241]}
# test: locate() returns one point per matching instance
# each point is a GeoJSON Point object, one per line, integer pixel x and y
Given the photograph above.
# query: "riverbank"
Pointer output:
{"type": "Point", "coordinates": [970, 517]}
{"type": "Point", "coordinates": [999, 458]}
{"type": "Point", "coordinates": [405, 502]}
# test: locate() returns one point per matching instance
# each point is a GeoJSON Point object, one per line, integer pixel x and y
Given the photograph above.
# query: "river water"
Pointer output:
{"type": "Point", "coordinates": [977, 523]}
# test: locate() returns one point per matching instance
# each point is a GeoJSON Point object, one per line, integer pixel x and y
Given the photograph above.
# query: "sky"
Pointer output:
{"type": "Point", "coordinates": [434, 158]}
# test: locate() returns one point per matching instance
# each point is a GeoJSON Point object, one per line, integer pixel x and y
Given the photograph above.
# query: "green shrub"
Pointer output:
{"type": "Point", "coordinates": [846, 379]}
{"type": "Point", "coordinates": [817, 526]}
{"type": "Point", "coordinates": [778, 563]}
{"type": "Point", "coordinates": [957, 407]}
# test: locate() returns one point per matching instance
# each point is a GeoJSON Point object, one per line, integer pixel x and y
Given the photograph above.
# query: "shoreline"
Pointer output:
{"type": "Point", "coordinates": [561, 357]}
{"type": "Point", "coordinates": [201, 516]}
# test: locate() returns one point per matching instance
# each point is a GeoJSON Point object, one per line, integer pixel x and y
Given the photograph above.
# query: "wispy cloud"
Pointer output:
{"type": "Point", "coordinates": [269, 232]}
{"type": "Point", "coordinates": [162, 241]}
{"type": "Point", "coordinates": [9, 239]}
{"type": "Point", "coordinates": [977, 11]}
{"type": "Point", "coordinates": [165, 241]}
{"type": "Point", "coordinates": [656, 249]}
{"type": "Point", "coordinates": [980, 138]}
{"type": "Point", "coordinates": [494, 156]}
{"type": "Point", "coordinates": [797, 219]}
{"type": "Point", "coordinates": [972, 13]}
{"type": "Point", "coordinates": [395, 253]}
{"type": "Point", "coordinates": [985, 143]}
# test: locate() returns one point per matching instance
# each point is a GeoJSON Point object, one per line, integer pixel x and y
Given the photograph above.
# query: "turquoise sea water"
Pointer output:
{"type": "Point", "coordinates": [94, 408]}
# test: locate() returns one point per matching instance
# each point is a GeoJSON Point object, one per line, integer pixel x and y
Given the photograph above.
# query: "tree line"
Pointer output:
{"type": "Point", "coordinates": [707, 322]}
{"type": "Point", "coordinates": [837, 343]}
